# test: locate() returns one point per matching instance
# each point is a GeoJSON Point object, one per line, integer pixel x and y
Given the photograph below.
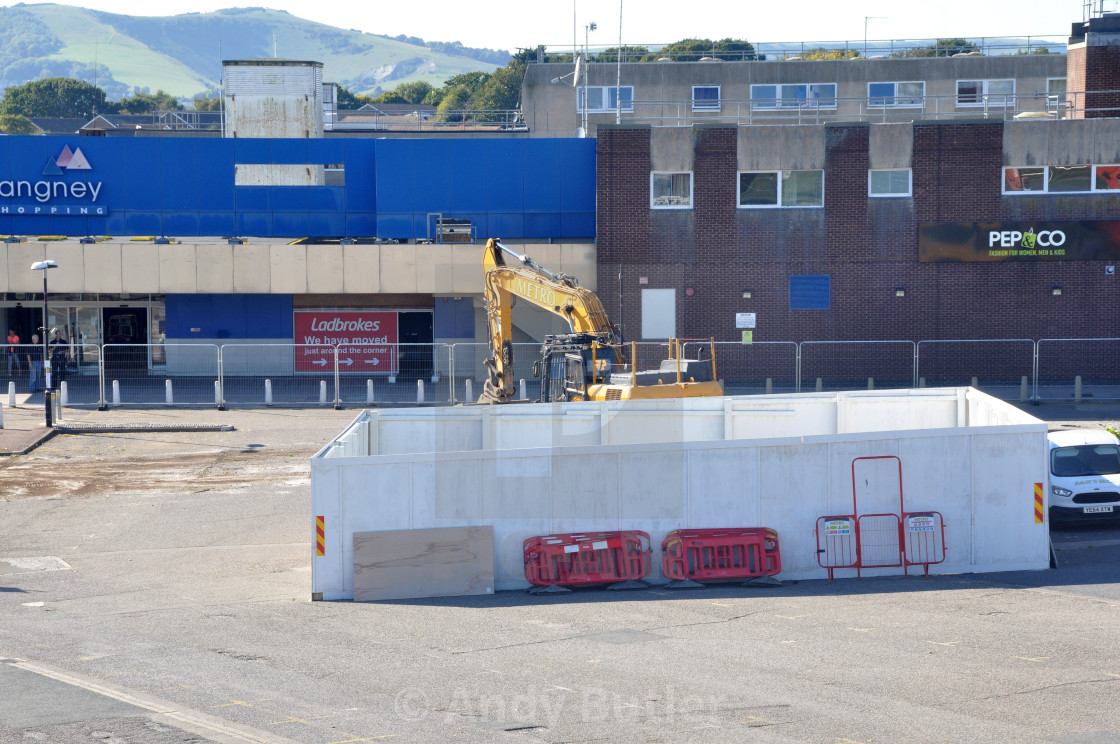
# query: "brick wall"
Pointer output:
{"type": "Point", "coordinates": [1094, 68]}
{"type": "Point", "coordinates": [867, 246]}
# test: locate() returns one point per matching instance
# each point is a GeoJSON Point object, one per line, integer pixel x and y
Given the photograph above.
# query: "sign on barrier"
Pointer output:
{"type": "Point", "coordinates": [365, 341]}
{"type": "Point", "coordinates": [924, 539]}
{"type": "Point", "coordinates": [836, 543]}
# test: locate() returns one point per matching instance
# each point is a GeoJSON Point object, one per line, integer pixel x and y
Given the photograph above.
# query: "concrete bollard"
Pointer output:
{"type": "Point", "coordinates": [976, 382]}
{"type": "Point", "coordinates": [1024, 391]}
{"type": "Point", "coordinates": [921, 382]}
{"type": "Point", "coordinates": [168, 393]}
{"type": "Point", "coordinates": [419, 391]}
{"type": "Point", "coordinates": [369, 392]}
{"type": "Point", "coordinates": [268, 392]}
{"type": "Point", "coordinates": [1, 416]}
{"type": "Point", "coordinates": [1077, 388]}
{"type": "Point", "coordinates": [64, 390]}
{"type": "Point", "coordinates": [322, 391]}
{"type": "Point", "coordinates": [470, 391]}
{"type": "Point", "coordinates": [769, 385]}
{"type": "Point", "coordinates": [56, 405]}
{"type": "Point", "coordinates": [11, 395]}
{"type": "Point", "coordinates": [820, 385]}
{"type": "Point", "coordinates": [523, 389]}
{"type": "Point", "coordinates": [116, 392]}
{"type": "Point", "coordinates": [217, 393]}
{"type": "Point", "coordinates": [870, 383]}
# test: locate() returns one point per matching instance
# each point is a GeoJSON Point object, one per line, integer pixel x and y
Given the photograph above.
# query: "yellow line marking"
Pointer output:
{"type": "Point", "coordinates": [947, 643]}
{"type": "Point", "coordinates": [233, 702]}
{"type": "Point", "coordinates": [790, 617]}
{"type": "Point", "coordinates": [1114, 675]}
{"type": "Point", "coordinates": [861, 630]}
{"type": "Point", "coordinates": [849, 741]}
{"type": "Point", "coordinates": [717, 604]}
{"type": "Point", "coordinates": [1027, 658]}
{"type": "Point", "coordinates": [290, 719]}
{"type": "Point", "coordinates": [787, 641]}
{"type": "Point", "coordinates": [372, 738]}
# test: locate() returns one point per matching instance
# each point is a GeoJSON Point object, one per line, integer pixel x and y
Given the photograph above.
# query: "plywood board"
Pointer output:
{"type": "Point", "coordinates": [411, 564]}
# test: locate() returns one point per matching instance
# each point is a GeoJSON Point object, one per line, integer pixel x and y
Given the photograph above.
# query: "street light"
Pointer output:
{"type": "Point", "coordinates": [44, 266]}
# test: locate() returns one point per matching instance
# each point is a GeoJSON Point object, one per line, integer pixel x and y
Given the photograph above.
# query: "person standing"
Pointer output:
{"type": "Point", "coordinates": [60, 352]}
{"type": "Point", "coordinates": [35, 364]}
{"type": "Point", "coordinates": [13, 353]}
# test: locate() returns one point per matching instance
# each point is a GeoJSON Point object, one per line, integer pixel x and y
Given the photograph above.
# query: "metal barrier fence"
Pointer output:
{"type": "Point", "coordinates": [245, 375]}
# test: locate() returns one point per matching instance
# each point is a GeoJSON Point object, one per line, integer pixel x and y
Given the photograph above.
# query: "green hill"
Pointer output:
{"type": "Point", "coordinates": [182, 54]}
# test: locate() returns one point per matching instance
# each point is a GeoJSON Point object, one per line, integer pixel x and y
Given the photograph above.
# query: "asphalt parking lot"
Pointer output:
{"type": "Point", "coordinates": [154, 587]}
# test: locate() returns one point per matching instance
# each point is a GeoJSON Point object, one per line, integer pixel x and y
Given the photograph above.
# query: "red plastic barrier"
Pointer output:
{"type": "Point", "coordinates": [714, 554]}
{"type": "Point", "coordinates": [587, 558]}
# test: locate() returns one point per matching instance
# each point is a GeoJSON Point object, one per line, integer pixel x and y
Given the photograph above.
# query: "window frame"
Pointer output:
{"type": "Point", "coordinates": [779, 180]}
{"type": "Point", "coordinates": [1062, 98]}
{"type": "Point", "coordinates": [893, 194]}
{"type": "Point", "coordinates": [985, 97]}
{"type": "Point", "coordinates": [894, 96]}
{"type": "Point", "coordinates": [715, 105]}
{"type": "Point", "coordinates": [776, 102]}
{"type": "Point", "coordinates": [691, 190]}
{"type": "Point", "coordinates": [1046, 176]}
{"type": "Point", "coordinates": [604, 90]}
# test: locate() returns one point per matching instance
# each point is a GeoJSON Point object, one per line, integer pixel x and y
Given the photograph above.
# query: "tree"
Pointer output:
{"type": "Point", "coordinates": [202, 103]}
{"type": "Point", "coordinates": [690, 50]}
{"type": "Point", "coordinates": [940, 48]}
{"type": "Point", "coordinates": [146, 103]}
{"type": "Point", "coordinates": [502, 91]}
{"type": "Point", "coordinates": [344, 99]}
{"type": "Point", "coordinates": [455, 101]}
{"type": "Point", "coordinates": [60, 98]}
{"type": "Point", "coordinates": [825, 53]}
{"type": "Point", "coordinates": [414, 92]}
{"type": "Point", "coordinates": [16, 124]}
{"type": "Point", "coordinates": [629, 54]}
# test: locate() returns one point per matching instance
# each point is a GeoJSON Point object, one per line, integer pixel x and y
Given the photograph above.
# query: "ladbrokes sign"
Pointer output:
{"type": "Point", "coordinates": [57, 192]}
{"type": "Point", "coordinates": [1038, 240]}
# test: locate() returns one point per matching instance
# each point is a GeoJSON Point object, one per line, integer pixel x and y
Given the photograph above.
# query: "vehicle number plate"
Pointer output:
{"type": "Point", "coordinates": [1096, 509]}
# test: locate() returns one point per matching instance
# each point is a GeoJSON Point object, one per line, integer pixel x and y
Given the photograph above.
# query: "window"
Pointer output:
{"type": "Point", "coordinates": [1060, 179]}
{"type": "Point", "coordinates": [889, 182]}
{"type": "Point", "coordinates": [810, 292]}
{"type": "Point", "coordinates": [811, 95]}
{"type": "Point", "coordinates": [1067, 178]}
{"type": "Point", "coordinates": [334, 174]}
{"type": "Point", "coordinates": [986, 93]}
{"type": "Point", "coordinates": [1055, 93]}
{"type": "Point", "coordinates": [769, 189]}
{"type": "Point", "coordinates": [602, 98]}
{"type": "Point", "coordinates": [705, 98]}
{"type": "Point", "coordinates": [1107, 178]}
{"type": "Point", "coordinates": [896, 95]}
{"type": "Point", "coordinates": [670, 190]}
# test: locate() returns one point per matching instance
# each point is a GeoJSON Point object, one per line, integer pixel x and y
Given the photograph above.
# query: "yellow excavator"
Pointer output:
{"type": "Point", "coordinates": [584, 364]}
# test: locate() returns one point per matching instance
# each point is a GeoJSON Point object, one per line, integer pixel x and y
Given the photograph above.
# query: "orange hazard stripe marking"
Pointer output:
{"type": "Point", "coordinates": [320, 537]}
{"type": "Point", "coordinates": [1038, 514]}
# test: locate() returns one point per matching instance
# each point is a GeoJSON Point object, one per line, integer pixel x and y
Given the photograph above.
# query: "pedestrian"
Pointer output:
{"type": "Point", "coordinates": [35, 364]}
{"type": "Point", "coordinates": [13, 353]}
{"type": "Point", "coordinates": [60, 353]}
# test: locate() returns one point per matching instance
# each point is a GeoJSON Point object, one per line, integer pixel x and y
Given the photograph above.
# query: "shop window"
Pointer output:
{"type": "Point", "coordinates": [992, 93]}
{"type": "Point", "coordinates": [670, 190]}
{"type": "Point", "coordinates": [1058, 179]}
{"type": "Point", "coordinates": [1107, 178]}
{"type": "Point", "coordinates": [809, 95]}
{"type": "Point", "coordinates": [896, 95]}
{"type": "Point", "coordinates": [604, 98]}
{"type": "Point", "coordinates": [889, 182]}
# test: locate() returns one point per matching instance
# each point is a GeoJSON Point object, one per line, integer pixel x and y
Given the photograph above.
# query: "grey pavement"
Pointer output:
{"type": "Point", "coordinates": [155, 587]}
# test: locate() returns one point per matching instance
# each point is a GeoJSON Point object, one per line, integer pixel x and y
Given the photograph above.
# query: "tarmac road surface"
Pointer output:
{"type": "Point", "coordinates": [154, 587]}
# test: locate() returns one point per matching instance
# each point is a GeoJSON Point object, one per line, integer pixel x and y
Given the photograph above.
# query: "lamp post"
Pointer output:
{"type": "Point", "coordinates": [44, 266]}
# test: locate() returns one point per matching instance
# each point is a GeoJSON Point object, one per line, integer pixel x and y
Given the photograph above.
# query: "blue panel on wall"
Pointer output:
{"type": "Point", "coordinates": [144, 178]}
{"type": "Point", "coordinates": [577, 225]}
{"type": "Point", "coordinates": [35, 225]}
{"type": "Point", "coordinates": [505, 175]}
{"type": "Point", "coordinates": [468, 175]}
{"type": "Point", "coordinates": [363, 224]}
{"type": "Point", "coordinates": [326, 198]}
{"type": "Point", "coordinates": [116, 223]}
{"type": "Point", "coordinates": [268, 316]}
{"type": "Point", "coordinates": [254, 223]}
{"type": "Point", "coordinates": [6, 225]}
{"type": "Point", "coordinates": [810, 292]}
{"type": "Point", "coordinates": [542, 225]}
{"type": "Point", "coordinates": [326, 151]}
{"type": "Point", "coordinates": [431, 167]}
{"type": "Point", "coordinates": [228, 314]}
{"type": "Point", "coordinates": [395, 181]}
{"type": "Point", "coordinates": [216, 174]}
{"type": "Point", "coordinates": [73, 226]}
{"type": "Point", "coordinates": [185, 312]}
{"type": "Point", "coordinates": [453, 318]}
{"type": "Point", "coordinates": [289, 151]}
{"type": "Point", "coordinates": [251, 198]}
{"type": "Point", "coordinates": [361, 175]}
{"type": "Point", "coordinates": [290, 224]}
{"type": "Point", "coordinates": [577, 175]}
{"type": "Point", "coordinates": [179, 178]}
{"type": "Point", "coordinates": [216, 223]}
{"type": "Point", "coordinates": [542, 187]}
{"type": "Point", "coordinates": [180, 223]}
{"type": "Point", "coordinates": [5, 152]}
{"type": "Point", "coordinates": [328, 224]}
{"type": "Point", "coordinates": [394, 226]}
{"type": "Point", "coordinates": [287, 198]}
{"type": "Point", "coordinates": [252, 150]}
{"type": "Point", "coordinates": [509, 226]}
{"type": "Point", "coordinates": [143, 223]}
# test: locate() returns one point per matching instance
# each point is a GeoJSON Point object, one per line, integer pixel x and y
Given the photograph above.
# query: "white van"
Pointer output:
{"type": "Point", "coordinates": [1084, 475]}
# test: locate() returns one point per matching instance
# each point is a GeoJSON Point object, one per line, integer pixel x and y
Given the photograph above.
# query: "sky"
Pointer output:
{"type": "Point", "coordinates": [644, 22]}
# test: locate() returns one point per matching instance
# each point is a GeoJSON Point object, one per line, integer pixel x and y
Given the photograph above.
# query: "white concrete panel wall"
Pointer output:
{"type": "Point", "coordinates": [980, 479]}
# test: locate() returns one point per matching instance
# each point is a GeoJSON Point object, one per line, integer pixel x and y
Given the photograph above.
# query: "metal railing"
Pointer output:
{"type": "Point", "coordinates": [250, 375]}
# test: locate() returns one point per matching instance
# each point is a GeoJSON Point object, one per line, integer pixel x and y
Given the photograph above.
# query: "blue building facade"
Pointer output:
{"type": "Point", "coordinates": [184, 187]}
